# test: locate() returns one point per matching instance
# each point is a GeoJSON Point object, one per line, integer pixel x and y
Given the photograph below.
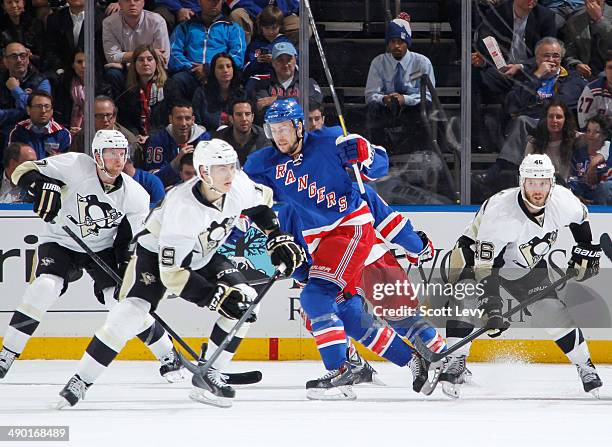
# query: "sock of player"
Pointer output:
{"type": "Point", "coordinates": [574, 346]}
{"type": "Point", "coordinates": [416, 326]}
{"type": "Point", "coordinates": [37, 299]}
{"type": "Point", "coordinates": [382, 340]}
{"type": "Point", "coordinates": [318, 299]}
{"type": "Point", "coordinates": [220, 330]}
{"type": "Point", "coordinates": [156, 338]}
{"type": "Point", "coordinates": [126, 319]}
{"type": "Point", "coordinates": [456, 330]}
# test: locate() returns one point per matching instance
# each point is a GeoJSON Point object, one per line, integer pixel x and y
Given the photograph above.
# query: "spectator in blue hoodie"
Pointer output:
{"type": "Point", "coordinates": [194, 44]}
{"type": "Point", "coordinates": [245, 12]}
{"type": "Point", "coordinates": [177, 11]}
{"type": "Point", "coordinates": [165, 149]}
{"type": "Point", "coordinates": [258, 60]}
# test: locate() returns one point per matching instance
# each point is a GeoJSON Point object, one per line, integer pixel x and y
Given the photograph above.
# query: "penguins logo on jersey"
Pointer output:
{"type": "Point", "coordinates": [46, 262]}
{"type": "Point", "coordinates": [534, 250]}
{"type": "Point", "coordinates": [147, 278]}
{"type": "Point", "coordinates": [94, 215]}
{"type": "Point", "coordinates": [216, 234]}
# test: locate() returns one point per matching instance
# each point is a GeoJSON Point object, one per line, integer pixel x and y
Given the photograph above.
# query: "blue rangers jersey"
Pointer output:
{"type": "Point", "coordinates": [316, 183]}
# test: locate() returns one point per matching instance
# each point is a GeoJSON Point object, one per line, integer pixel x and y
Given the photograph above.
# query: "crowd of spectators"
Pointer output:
{"type": "Point", "coordinates": [170, 73]}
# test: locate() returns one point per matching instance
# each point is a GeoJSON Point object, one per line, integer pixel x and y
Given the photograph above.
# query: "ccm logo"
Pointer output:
{"type": "Point", "coordinates": [587, 253]}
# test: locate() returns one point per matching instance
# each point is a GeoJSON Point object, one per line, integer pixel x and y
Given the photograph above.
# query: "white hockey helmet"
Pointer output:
{"type": "Point", "coordinates": [538, 166]}
{"type": "Point", "coordinates": [211, 153]}
{"type": "Point", "coordinates": [108, 139]}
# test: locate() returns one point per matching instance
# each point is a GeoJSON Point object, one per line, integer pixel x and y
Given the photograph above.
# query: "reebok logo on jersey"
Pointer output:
{"type": "Point", "coordinates": [310, 188]}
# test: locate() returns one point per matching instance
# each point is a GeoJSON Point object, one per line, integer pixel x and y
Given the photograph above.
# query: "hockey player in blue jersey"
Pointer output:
{"type": "Point", "coordinates": [308, 173]}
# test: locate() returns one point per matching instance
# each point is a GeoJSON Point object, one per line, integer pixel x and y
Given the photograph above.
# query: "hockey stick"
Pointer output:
{"type": "Point", "coordinates": [330, 81]}
{"type": "Point", "coordinates": [434, 357]}
{"type": "Point", "coordinates": [233, 378]}
{"type": "Point", "coordinates": [606, 245]}
{"type": "Point", "coordinates": [203, 369]}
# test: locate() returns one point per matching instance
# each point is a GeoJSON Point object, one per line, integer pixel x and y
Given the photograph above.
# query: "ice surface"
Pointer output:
{"type": "Point", "coordinates": [509, 404]}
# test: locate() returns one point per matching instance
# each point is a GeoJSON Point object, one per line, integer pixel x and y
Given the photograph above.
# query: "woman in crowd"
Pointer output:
{"type": "Point", "coordinates": [70, 95]}
{"type": "Point", "coordinates": [142, 107]}
{"type": "Point", "coordinates": [211, 100]}
{"type": "Point", "coordinates": [591, 168]}
{"type": "Point", "coordinates": [555, 136]}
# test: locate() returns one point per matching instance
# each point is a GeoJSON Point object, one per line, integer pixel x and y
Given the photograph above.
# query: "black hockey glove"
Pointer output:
{"type": "Point", "coordinates": [492, 306]}
{"type": "Point", "coordinates": [283, 250]}
{"type": "Point", "coordinates": [47, 199]}
{"type": "Point", "coordinates": [585, 261]}
{"type": "Point", "coordinates": [230, 302]}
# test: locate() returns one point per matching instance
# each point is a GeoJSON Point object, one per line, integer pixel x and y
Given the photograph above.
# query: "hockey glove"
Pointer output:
{"type": "Point", "coordinates": [492, 306]}
{"type": "Point", "coordinates": [283, 250]}
{"type": "Point", "coordinates": [230, 302]}
{"type": "Point", "coordinates": [426, 254]}
{"type": "Point", "coordinates": [47, 199]}
{"type": "Point", "coordinates": [585, 261]}
{"type": "Point", "coordinates": [354, 148]}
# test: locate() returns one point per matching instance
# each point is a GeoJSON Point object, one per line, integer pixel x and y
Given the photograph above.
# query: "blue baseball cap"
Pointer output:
{"type": "Point", "coordinates": [283, 48]}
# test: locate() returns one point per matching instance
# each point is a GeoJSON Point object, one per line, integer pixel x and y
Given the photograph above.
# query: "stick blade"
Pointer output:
{"type": "Point", "coordinates": [606, 245]}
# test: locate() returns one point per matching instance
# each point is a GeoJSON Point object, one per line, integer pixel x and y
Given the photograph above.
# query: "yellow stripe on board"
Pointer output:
{"type": "Point", "coordinates": [538, 351]}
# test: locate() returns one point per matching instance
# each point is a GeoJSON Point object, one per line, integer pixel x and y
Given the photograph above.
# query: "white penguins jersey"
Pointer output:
{"type": "Point", "coordinates": [186, 231]}
{"type": "Point", "coordinates": [87, 208]}
{"type": "Point", "coordinates": [503, 226]}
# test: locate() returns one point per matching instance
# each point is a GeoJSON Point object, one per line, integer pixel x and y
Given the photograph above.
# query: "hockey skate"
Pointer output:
{"type": "Point", "coordinates": [421, 383]}
{"type": "Point", "coordinates": [172, 369]}
{"type": "Point", "coordinates": [6, 360]}
{"type": "Point", "coordinates": [454, 374]}
{"type": "Point", "coordinates": [73, 392]}
{"type": "Point", "coordinates": [212, 389]}
{"type": "Point", "coordinates": [334, 385]}
{"type": "Point", "coordinates": [590, 379]}
{"type": "Point", "coordinates": [239, 378]}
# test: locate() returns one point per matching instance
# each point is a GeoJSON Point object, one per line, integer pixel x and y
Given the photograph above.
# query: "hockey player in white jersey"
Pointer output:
{"type": "Point", "coordinates": [104, 207]}
{"type": "Point", "coordinates": [177, 252]}
{"type": "Point", "coordinates": [507, 241]}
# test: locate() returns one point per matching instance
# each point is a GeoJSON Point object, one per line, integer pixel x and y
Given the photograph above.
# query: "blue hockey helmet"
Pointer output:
{"type": "Point", "coordinates": [283, 110]}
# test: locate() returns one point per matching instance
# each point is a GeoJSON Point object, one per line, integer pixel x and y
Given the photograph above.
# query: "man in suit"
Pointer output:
{"type": "Point", "coordinates": [64, 35]}
{"type": "Point", "coordinates": [517, 25]}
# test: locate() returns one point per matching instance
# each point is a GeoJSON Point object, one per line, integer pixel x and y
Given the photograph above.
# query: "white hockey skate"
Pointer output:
{"type": "Point", "coordinates": [591, 382]}
{"type": "Point", "coordinates": [72, 393]}
{"type": "Point", "coordinates": [454, 375]}
{"type": "Point", "coordinates": [6, 360]}
{"type": "Point", "coordinates": [172, 369]}
{"type": "Point", "coordinates": [211, 389]}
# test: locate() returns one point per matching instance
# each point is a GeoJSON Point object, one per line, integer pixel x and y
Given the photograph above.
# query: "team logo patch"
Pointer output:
{"type": "Point", "coordinates": [95, 215]}
{"type": "Point", "coordinates": [147, 278]}
{"type": "Point", "coordinates": [216, 234]}
{"type": "Point", "coordinates": [535, 250]}
{"type": "Point", "coordinates": [46, 262]}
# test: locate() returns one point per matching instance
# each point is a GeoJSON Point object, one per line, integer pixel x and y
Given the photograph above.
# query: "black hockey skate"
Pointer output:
{"type": "Point", "coordinates": [334, 385]}
{"type": "Point", "coordinates": [590, 379]}
{"type": "Point", "coordinates": [240, 378]}
{"type": "Point", "coordinates": [421, 383]}
{"type": "Point", "coordinates": [212, 389]}
{"type": "Point", "coordinates": [172, 369]}
{"type": "Point", "coordinates": [6, 360]}
{"type": "Point", "coordinates": [454, 374]}
{"type": "Point", "coordinates": [73, 392]}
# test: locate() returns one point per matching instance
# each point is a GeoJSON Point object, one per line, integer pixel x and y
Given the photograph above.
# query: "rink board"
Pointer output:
{"type": "Point", "coordinates": [278, 334]}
